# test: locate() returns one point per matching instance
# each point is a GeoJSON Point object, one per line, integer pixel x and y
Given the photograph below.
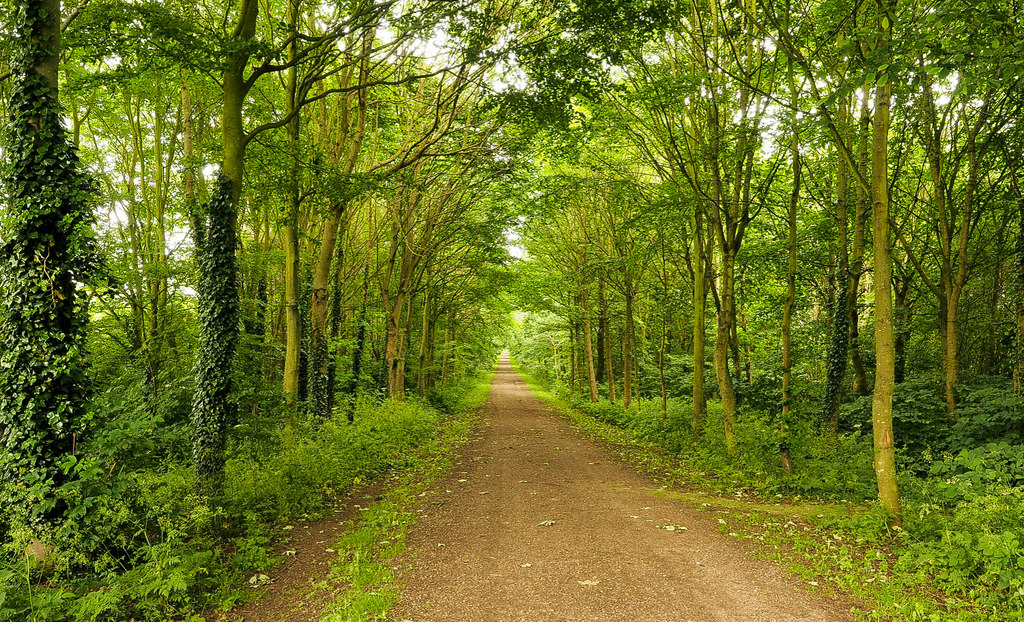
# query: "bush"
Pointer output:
{"type": "Point", "coordinates": [673, 430]}
{"type": "Point", "coordinates": [919, 417]}
{"type": "Point", "coordinates": [605, 411]}
{"type": "Point", "coordinates": [989, 414]}
{"type": "Point", "coordinates": [969, 525]}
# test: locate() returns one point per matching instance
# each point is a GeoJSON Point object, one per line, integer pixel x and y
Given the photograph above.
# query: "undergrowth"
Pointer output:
{"type": "Point", "coordinates": [147, 548]}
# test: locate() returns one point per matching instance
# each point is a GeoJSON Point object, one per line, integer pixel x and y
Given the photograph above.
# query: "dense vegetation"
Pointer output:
{"type": "Point", "coordinates": [252, 251]}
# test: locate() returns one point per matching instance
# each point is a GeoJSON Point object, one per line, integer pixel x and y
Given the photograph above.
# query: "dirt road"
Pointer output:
{"type": "Point", "coordinates": [537, 523]}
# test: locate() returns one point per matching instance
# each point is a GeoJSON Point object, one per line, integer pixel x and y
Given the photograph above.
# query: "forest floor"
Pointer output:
{"type": "Point", "coordinates": [536, 522]}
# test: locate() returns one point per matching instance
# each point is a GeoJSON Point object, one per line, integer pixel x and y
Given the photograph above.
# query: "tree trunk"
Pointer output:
{"type": "Point", "coordinates": [627, 343]}
{"type": "Point", "coordinates": [725, 384]}
{"type": "Point", "coordinates": [1018, 363]}
{"type": "Point", "coordinates": [292, 257]}
{"type": "Point", "coordinates": [787, 312]}
{"type": "Point", "coordinates": [45, 250]}
{"type": "Point", "coordinates": [319, 343]}
{"type": "Point", "coordinates": [403, 349]}
{"type": "Point", "coordinates": [699, 298]}
{"type": "Point", "coordinates": [588, 347]}
{"type": "Point", "coordinates": [212, 410]}
{"type": "Point", "coordinates": [360, 347]}
{"type": "Point", "coordinates": [881, 406]}
{"type": "Point", "coordinates": [836, 359]}
{"type": "Point", "coordinates": [392, 349]}
{"type": "Point", "coordinates": [860, 378]}
{"type": "Point", "coordinates": [319, 307]}
{"type": "Point", "coordinates": [573, 377]}
{"type": "Point", "coordinates": [602, 332]}
{"type": "Point", "coordinates": [902, 328]}
{"type": "Point", "coordinates": [446, 349]}
{"type": "Point", "coordinates": [607, 351]}
{"type": "Point", "coordinates": [661, 365]}
{"type": "Point", "coordinates": [425, 330]}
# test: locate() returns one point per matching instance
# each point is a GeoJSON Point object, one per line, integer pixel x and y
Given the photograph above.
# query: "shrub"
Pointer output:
{"type": "Point", "coordinates": [989, 414]}
{"type": "Point", "coordinates": [919, 417]}
{"type": "Point", "coordinates": [969, 525]}
{"type": "Point", "coordinates": [672, 430]}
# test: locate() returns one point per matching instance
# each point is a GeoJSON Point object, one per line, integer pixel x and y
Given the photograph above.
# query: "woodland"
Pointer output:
{"type": "Point", "coordinates": [255, 251]}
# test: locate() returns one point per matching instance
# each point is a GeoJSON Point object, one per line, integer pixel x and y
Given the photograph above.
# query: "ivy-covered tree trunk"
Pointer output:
{"type": "Point", "coordinates": [212, 409]}
{"type": "Point", "coordinates": [217, 287]}
{"type": "Point", "coordinates": [836, 359]}
{"type": "Point", "coordinates": [1018, 367]}
{"type": "Point", "coordinates": [47, 251]}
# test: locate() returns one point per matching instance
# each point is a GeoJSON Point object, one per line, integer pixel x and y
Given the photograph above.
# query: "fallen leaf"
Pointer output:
{"type": "Point", "coordinates": [546, 523]}
{"type": "Point", "coordinates": [260, 580]}
{"type": "Point", "coordinates": [672, 527]}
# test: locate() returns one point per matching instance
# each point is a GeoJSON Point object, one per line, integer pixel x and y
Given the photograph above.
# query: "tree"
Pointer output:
{"type": "Point", "coordinates": [46, 255]}
{"type": "Point", "coordinates": [885, 355]}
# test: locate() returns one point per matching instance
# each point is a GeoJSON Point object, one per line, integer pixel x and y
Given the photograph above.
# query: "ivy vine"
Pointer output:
{"type": "Point", "coordinates": [213, 408]}
{"type": "Point", "coordinates": [47, 250]}
{"type": "Point", "coordinates": [835, 364]}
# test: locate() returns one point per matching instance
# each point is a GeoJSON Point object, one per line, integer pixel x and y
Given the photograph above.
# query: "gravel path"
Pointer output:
{"type": "Point", "coordinates": [537, 523]}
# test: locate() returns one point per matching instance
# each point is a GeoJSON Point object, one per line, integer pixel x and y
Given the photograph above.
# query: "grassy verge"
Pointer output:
{"type": "Point", "coordinates": [837, 548]}
{"type": "Point", "coordinates": [364, 571]}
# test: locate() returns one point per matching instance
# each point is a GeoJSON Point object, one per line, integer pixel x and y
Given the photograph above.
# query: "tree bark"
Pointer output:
{"type": "Point", "coordinates": [1018, 363]}
{"type": "Point", "coordinates": [881, 407]}
{"type": "Point", "coordinates": [860, 379]}
{"type": "Point", "coordinates": [627, 342]}
{"type": "Point", "coordinates": [699, 299]}
{"type": "Point", "coordinates": [721, 356]}
{"type": "Point", "coordinates": [292, 256]}
{"type": "Point", "coordinates": [608, 366]}
{"type": "Point", "coordinates": [588, 346]}
{"type": "Point", "coordinates": [425, 338]}
{"type": "Point", "coordinates": [787, 312]}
